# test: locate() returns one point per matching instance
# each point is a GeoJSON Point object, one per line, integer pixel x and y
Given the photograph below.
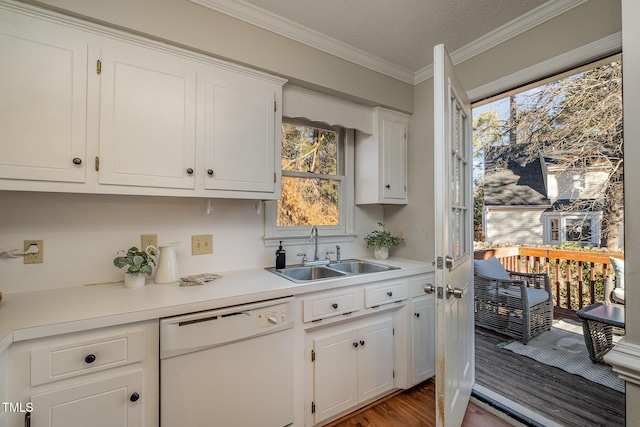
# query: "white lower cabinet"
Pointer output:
{"type": "Point", "coordinates": [423, 329]}
{"type": "Point", "coordinates": [424, 338]}
{"type": "Point", "coordinates": [351, 365]}
{"type": "Point", "coordinates": [109, 402]}
{"type": "Point", "coordinates": [103, 377]}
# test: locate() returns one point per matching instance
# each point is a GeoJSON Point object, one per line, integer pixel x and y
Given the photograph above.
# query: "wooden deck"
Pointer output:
{"type": "Point", "coordinates": [565, 398]}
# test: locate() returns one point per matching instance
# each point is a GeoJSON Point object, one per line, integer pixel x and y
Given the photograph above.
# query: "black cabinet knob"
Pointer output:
{"type": "Point", "coordinates": [355, 344]}
{"type": "Point", "coordinates": [190, 171]}
{"type": "Point", "coordinates": [362, 343]}
{"type": "Point", "coordinates": [134, 397]}
{"type": "Point", "coordinates": [390, 293]}
{"type": "Point", "coordinates": [388, 186]}
{"type": "Point", "coordinates": [417, 314]}
{"type": "Point", "coordinates": [334, 305]}
{"type": "Point", "coordinates": [90, 358]}
{"type": "Point", "coordinates": [77, 161]}
{"type": "Point", "coordinates": [210, 172]}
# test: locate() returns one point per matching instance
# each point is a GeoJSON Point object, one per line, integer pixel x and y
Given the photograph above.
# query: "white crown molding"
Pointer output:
{"type": "Point", "coordinates": [276, 24]}
{"type": "Point", "coordinates": [537, 16]}
{"type": "Point", "coordinates": [269, 21]}
{"type": "Point", "coordinates": [590, 52]}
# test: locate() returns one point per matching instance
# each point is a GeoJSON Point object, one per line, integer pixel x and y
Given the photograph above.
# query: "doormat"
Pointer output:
{"type": "Point", "coordinates": [563, 347]}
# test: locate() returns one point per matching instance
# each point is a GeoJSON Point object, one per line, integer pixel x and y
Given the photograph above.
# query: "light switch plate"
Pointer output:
{"type": "Point", "coordinates": [202, 244]}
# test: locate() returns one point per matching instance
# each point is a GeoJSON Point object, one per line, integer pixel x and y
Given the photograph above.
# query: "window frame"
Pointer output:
{"type": "Point", "coordinates": [563, 218]}
{"type": "Point", "coordinates": [345, 231]}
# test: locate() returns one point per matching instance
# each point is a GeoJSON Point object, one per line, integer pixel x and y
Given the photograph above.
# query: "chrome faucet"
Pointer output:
{"type": "Point", "coordinates": [312, 237]}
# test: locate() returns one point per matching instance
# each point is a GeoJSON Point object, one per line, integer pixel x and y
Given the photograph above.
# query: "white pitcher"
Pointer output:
{"type": "Point", "coordinates": [168, 271]}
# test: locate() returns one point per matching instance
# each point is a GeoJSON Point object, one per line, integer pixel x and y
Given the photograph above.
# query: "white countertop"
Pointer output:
{"type": "Point", "coordinates": [36, 314]}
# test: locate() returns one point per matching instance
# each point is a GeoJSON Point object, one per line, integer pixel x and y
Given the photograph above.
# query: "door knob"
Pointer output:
{"type": "Point", "coordinates": [428, 289]}
{"type": "Point", "coordinates": [456, 292]}
{"type": "Point", "coordinates": [77, 161]}
{"type": "Point", "coordinates": [210, 172]}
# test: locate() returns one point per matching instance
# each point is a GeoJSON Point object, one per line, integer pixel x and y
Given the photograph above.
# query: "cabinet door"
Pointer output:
{"type": "Point", "coordinates": [336, 378]}
{"type": "Point", "coordinates": [107, 402]}
{"type": "Point", "coordinates": [424, 343]}
{"type": "Point", "coordinates": [240, 140]}
{"type": "Point", "coordinates": [375, 360]}
{"type": "Point", "coordinates": [394, 174]}
{"type": "Point", "coordinates": [147, 119]}
{"type": "Point", "coordinates": [43, 81]}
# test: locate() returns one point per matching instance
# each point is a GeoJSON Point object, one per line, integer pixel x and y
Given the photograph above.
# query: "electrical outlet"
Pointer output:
{"type": "Point", "coordinates": [148, 240]}
{"type": "Point", "coordinates": [202, 244]}
{"type": "Point", "coordinates": [34, 258]}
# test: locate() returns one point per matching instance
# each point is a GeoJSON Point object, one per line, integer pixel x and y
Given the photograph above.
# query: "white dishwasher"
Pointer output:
{"type": "Point", "coordinates": [228, 367]}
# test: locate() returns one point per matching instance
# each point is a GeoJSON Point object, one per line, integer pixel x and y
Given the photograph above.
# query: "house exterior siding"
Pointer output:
{"type": "Point", "coordinates": [514, 224]}
{"type": "Point", "coordinates": [567, 185]}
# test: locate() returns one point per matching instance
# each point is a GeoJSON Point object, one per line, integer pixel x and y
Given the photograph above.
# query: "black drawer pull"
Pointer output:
{"type": "Point", "coordinates": [335, 306]}
{"type": "Point", "coordinates": [90, 358]}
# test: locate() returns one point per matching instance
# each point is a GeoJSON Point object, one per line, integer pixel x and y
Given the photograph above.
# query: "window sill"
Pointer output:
{"type": "Point", "coordinates": [274, 241]}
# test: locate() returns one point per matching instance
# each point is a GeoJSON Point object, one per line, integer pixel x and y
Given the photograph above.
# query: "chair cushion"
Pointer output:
{"type": "Point", "coordinates": [618, 268]}
{"type": "Point", "coordinates": [534, 296]}
{"type": "Point", "coordinates": [617, 296]}
{"type": "Point", "coordinates": [490, 268]}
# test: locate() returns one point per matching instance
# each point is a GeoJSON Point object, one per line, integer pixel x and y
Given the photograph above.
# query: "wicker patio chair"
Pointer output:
{"type": "Point", "coordinates": [519, 305]}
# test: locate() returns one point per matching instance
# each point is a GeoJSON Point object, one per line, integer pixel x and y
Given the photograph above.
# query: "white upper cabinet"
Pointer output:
{"type": "Point", "coordinates": [43, 80]}
{"type": "Point", "coordinates": [147, 119]}
{"type": "Point", "coordinates": [381, 160]}
{"type": "Point", "coordinates": [240, 133]}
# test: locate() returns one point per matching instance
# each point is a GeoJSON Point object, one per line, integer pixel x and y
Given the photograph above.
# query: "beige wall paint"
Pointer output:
{"type": "Point", "coordinates": [187, 24]}
{"type": "Point", "coordinates": [83, 232]}
{"type": "Point", "coordinates": [581, 25]}
{"type": "Point", "coordinates": [417, 218]}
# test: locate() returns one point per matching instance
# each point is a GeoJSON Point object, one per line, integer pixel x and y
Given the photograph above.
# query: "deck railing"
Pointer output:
{"type": "Point", "coordinates": [577, 278]}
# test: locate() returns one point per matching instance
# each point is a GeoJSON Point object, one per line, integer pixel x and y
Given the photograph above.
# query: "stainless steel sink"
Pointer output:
{"type": "Point", "coordinates": [360, 267]}
{"type": "Point", "coordinates": [308, 273]}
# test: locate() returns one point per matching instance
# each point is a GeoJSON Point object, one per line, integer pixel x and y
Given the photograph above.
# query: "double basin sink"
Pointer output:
{"type": "Point", "coordinates": [308, 273]}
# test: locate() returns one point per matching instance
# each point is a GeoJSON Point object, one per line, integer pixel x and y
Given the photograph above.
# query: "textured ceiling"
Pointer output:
{"type": "Point", "coordinates": [402, 32]}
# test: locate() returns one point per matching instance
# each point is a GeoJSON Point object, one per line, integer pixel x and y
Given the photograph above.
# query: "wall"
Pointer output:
{"type": "Point", "coordinates": [83, 232]}
{"type": "Point", "coordinates": [184, 23]}
{"type": "Point", "coordinates": [504, 225]}
{"type": "Point", "coordinates": [588, 22]}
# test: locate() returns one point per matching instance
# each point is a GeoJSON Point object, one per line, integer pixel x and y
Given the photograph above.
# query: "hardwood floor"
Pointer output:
{"type": "Point", "coordinates": [413, 408]}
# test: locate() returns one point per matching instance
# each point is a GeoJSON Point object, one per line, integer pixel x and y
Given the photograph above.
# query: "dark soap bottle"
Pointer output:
{"type": "Point", "coordinates": [281, 257]}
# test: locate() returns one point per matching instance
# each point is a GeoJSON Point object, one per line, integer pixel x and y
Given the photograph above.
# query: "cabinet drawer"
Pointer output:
{"type": "Point", "coordinates": [80, 357]}
{"type": "Point", "coordinates": [384, 294]}
{"type": "Point", "coordinates": [420, 285]}
{"type": "Point", "coordinates": [327, 305]}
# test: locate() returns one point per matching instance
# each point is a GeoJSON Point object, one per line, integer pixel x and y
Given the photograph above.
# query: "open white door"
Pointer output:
{"type": "Point", "coordinates": [454, 260]}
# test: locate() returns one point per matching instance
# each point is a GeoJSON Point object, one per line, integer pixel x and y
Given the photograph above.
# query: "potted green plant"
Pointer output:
{"type": "Point", "coordinates": [139, 263]}
{"type": "Point", "coordinates": [381, 241]}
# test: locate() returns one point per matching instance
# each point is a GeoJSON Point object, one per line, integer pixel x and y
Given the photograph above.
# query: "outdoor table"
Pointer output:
{"type": "Point", "coordinates": [598, 321]}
